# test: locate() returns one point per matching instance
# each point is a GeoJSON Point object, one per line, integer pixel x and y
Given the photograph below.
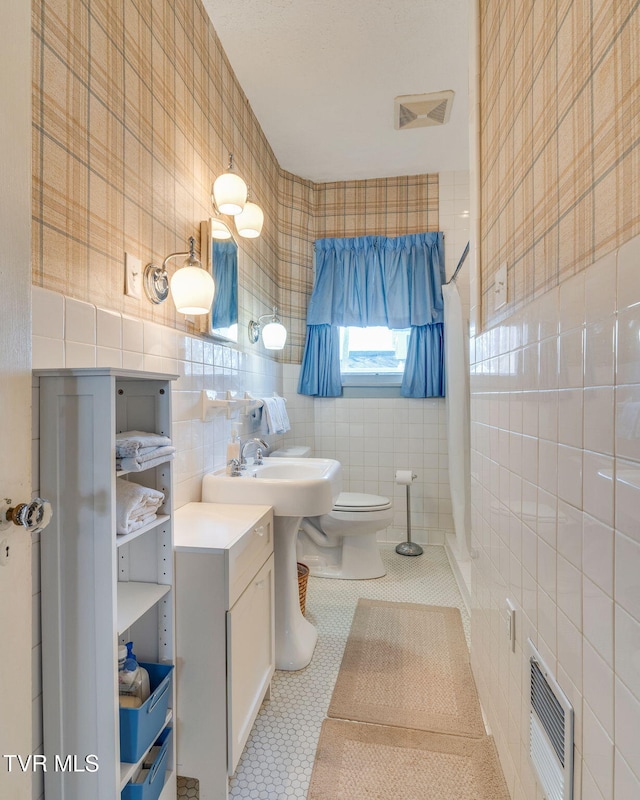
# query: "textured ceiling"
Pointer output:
{"type": "Point", "coordinates": [322, 75]}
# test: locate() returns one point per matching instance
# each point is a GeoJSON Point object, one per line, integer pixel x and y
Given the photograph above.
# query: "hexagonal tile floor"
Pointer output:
{"type": "Point", "coordinates": [278, 758]}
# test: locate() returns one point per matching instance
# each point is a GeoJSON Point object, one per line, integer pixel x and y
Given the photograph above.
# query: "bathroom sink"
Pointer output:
{"type": "Point", "coordinates": [295, 487]}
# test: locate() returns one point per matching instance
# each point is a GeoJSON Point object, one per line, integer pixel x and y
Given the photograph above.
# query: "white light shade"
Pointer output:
{"type": "Point", "coordinates": [274, 335]}
{"type": "Point", "coordinates": [192, 289]}
{"type": "Point", "coordinates": [230, 193]}
{"type": "Point", "coordinates": [249, 221]}
{"type": "Point", "coordinates": [219, 230]}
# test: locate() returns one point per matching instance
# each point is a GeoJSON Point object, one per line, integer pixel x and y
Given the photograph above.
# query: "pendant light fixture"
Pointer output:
{"type": "Point", "coordinates": [229, 196]}
{"type": "Point", "coordinates": [229, 191]}
{"type": "Point", "coordinates": [249, 221]}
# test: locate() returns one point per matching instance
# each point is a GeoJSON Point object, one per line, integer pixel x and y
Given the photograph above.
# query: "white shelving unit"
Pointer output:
{"type": "Point", "coordinates": [99, 589]}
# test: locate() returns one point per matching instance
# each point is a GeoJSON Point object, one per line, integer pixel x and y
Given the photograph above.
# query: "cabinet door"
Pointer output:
{"type": "Point", "coordinates": [250, 658]}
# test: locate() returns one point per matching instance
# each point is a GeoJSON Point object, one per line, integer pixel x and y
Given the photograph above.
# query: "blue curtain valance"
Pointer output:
{"type": "Point", "coordinates": [371, 281]}
{"type": "Point", "coordinates": [377, 280]}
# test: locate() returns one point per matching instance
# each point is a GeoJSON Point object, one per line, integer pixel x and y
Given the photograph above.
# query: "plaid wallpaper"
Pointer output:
{"type": "Point", "coordinates": [135, 110]}
{"type": "Point", "coordinates": [559, 133]}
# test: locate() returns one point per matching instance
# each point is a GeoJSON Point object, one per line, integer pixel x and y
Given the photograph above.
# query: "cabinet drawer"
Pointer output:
{"type": "Point", "coordinates": [248, 554]}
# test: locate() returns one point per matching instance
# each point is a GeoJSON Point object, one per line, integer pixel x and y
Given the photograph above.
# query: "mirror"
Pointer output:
{"type": "Point", "coordinates": [220, 256]}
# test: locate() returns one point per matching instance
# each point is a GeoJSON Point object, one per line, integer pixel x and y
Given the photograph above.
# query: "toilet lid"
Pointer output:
{"type": "Point", "coordinates": [355, 501]}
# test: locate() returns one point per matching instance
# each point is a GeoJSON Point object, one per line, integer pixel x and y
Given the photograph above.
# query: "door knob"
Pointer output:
{"type": "Point", "coordinates": [32, 516]}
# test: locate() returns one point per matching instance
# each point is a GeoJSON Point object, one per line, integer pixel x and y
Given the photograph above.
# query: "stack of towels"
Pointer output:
{"type": "Point", "coordinates": [138, 450]}
{"type": "Point", "coordinates": [274, 415]}
{"type": "Point", "coordinates": [135, 505]}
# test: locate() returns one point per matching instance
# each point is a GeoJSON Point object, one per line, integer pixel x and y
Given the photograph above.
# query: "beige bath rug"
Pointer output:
{"type": "Point", "coordinates": [356, 761]}
{"type": "Point", "coordinates": [407, 665]}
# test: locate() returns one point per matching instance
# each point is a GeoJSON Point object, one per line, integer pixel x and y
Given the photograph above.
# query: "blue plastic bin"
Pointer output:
{"type": "Point", "coordinates": [152, 787]}
{"type": "Point", "coordinates": [140, 726]}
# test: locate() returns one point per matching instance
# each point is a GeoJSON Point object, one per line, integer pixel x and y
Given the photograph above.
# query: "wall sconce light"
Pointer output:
{"type": "Point", "coordinates": [192, 287]}
{"type": "Point", "coordinates": [229, 196]}
{"type": "Point", "coordinates": [274, 334]}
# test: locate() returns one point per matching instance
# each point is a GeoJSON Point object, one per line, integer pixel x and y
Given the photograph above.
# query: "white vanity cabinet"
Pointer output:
{"type": "Point", "coordinates": [224, 633]}
{"type": "Point", "coordinates": [100, 589]}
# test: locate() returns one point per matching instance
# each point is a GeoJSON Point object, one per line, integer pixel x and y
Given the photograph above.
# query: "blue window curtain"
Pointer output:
{"type": "Point", "coordinates": [376, 280]}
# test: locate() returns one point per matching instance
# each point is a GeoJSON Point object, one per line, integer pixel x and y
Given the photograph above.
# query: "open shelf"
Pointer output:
{"type": "Point", "coordinates": [124, 538]}
{"type": "Point", "coordinates": [134, 599]}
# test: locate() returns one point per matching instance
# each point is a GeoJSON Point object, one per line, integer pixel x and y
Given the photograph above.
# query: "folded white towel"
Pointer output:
{"type": "Point", "coordinates": [153, 454]}
{"type": "Point", "coordinates": [131, 443]}
{"type": "Point", "coordinates": [135, 505]}
{"type": "Point", "coordinates": [275, 415]}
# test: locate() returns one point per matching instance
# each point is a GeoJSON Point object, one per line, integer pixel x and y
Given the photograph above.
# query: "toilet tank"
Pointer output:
{"type": "Point", "coordinates": [295, 451]}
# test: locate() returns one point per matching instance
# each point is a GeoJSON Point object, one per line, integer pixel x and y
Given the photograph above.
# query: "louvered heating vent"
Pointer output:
{"type": "Point", "coordinates": [550, 732]}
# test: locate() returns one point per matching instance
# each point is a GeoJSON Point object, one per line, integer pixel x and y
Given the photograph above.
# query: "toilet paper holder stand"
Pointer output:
{"type": "Point", "coordinates": [407, 548]}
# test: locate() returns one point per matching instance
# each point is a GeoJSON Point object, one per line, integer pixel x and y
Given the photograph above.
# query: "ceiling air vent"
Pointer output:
{"type": "Point", "coordinates": [420, 110]}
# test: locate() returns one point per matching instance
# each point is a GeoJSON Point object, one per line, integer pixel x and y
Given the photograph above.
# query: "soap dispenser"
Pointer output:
{"type": "Point", "coordinates": [233, 448]}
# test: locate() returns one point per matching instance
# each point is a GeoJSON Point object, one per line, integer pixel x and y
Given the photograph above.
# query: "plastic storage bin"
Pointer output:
{"type": "Point", "coordinates": [152, 787]}
{"type": "Point", "coordinates": [140, 726]}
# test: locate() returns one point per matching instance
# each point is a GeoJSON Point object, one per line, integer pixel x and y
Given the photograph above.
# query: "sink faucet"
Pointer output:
{"type": "Point", "coordinates": [234, 468]}
{"type": "Point", "coordinates": [259, 444]}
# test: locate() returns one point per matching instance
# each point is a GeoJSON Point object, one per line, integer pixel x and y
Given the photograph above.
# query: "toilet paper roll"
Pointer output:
{"type": "Point", "coordinates": [404, 477]}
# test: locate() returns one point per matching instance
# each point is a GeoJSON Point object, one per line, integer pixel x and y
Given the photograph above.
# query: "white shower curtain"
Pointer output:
{"type": "Point", "coordinates": [458, 423]}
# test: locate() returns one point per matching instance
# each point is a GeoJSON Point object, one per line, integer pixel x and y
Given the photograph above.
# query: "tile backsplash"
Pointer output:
{"type": "Point", "coordinates": [372, 437]}
{"type": "Point", "coordinates": [73, 333]}
{"type": "Point", "coordinates": [556, 521]}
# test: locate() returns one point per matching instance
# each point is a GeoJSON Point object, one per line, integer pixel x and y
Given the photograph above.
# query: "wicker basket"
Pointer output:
{"type": "Point", "coordinates": [303, 577]}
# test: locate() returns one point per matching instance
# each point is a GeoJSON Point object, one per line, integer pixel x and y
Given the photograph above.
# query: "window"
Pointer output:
{"type": "Point", "coordinates": [372, 356]}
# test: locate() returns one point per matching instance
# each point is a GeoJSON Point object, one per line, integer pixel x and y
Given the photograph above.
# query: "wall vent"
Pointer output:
{"type": "Point", "coordinates": [550, 731]}
{"type": "Point", "coordinates": [420, 110]}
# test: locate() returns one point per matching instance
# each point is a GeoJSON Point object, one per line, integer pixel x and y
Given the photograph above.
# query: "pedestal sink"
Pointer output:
{"type": "Point", "coordinates": [295, 488]}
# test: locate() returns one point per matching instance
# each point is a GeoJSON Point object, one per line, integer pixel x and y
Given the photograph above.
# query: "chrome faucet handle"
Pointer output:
{"type": "Point", "coordinates": [235, 467]}
{"type": "Point", "coordinates": [258, 459]}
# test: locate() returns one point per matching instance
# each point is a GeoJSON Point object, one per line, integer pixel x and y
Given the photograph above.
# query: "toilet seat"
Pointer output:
{"type": "Point", "coordinates": [356, 502]}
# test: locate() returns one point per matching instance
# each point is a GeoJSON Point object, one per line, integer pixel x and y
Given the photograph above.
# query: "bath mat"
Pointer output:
{"type": "Point", "coordinates": [407, 665]}
{"type": "Point", "coordinates": [356, 761]}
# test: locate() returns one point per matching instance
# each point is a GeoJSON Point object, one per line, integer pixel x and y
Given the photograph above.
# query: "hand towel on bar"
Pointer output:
{"type": "Point", "coordinates": [131, 443]}
{"type": "Point", "coordinates": [135, 505]}
{"type": "Point", "coordinates": [150, 459]}
{"type": "Point", "coordinates": [275, 415]}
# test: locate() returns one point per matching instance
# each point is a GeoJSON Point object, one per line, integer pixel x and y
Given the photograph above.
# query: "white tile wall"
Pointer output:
{"type": "Point", "coordinates": [569, 530]}
{"type": "Point", "coordinates": [372, 438]}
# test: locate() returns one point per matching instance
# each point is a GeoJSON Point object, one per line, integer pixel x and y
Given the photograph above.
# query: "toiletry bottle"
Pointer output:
{"type": "Point", "coordinates": [132, 678]}
{"type": "Point", "coordinates": [233, 448]}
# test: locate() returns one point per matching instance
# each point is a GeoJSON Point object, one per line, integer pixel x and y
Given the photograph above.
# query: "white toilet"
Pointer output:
{"type": "Point", "coordinates": [342, 543]}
